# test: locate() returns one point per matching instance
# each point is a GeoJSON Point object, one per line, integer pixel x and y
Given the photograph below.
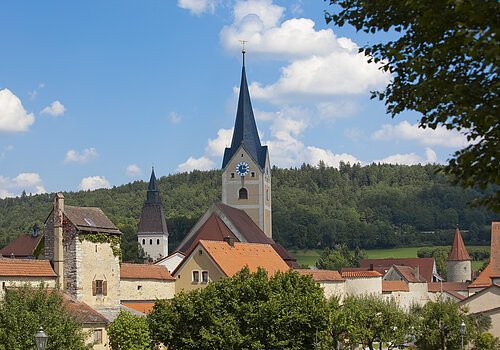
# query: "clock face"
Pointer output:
{"type": "Point", "coordinates": [242, 168]}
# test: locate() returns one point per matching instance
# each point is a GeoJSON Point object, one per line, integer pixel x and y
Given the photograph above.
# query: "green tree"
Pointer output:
{"type": "Point", "coordinates": [438, 325]}
{"type": "Point", "coordinates": [129, 332]}
{"type": "Point", "coordinates": [25, 309]}
{"type": "Point", "coordinates": [486, 341]}
{"type": "Point", "coordinates": [246, 311]}
{"type": "Point", "coordinates": [444, 65]}
{"type": "Point", "coordinates": [339, 257]}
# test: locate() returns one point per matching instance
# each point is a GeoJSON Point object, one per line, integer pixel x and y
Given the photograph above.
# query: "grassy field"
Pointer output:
{"type": "Point", "coordinates": [309, 257]}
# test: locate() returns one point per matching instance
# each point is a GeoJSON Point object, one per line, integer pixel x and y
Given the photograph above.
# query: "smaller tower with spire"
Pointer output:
{"type": "Point", "coordinates": [459, 262]}
{"type": "Point", "coordinates": [153, 233]}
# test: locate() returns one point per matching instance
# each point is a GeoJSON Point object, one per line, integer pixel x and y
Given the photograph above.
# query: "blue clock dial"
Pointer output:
{"type": "Point", "coordinates": [242, 168]}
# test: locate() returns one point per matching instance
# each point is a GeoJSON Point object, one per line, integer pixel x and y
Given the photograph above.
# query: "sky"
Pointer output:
{"type": "Point", "coordinates": [94, 93]}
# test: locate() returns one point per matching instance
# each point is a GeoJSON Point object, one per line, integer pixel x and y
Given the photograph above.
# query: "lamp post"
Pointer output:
{"type": "Point", "coordinates": [462, 332]}
{"type": "Point", "coordinates": [41, 339]}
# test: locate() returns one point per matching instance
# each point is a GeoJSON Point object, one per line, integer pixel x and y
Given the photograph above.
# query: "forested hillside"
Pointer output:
{"type": "Point", "coordinates": [370, 206]}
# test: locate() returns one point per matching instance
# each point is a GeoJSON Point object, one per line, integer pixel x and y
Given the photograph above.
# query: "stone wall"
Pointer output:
{"type": "Point", "coordinates": [146, 289]}
{"type": "Point", "coordinates": [459, 271]}
{"type": "Point", "coordinates": [7, 281]}
{"type": "Point", "coordinates": [363, 285]}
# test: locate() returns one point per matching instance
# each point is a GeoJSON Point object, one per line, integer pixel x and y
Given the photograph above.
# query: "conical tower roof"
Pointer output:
{"type": "Point", "coordinates": [458, 250]}
{"type": "Point", "coordinates": [152, 217]}
{"type": "Point", "coordinates": [245, 129]}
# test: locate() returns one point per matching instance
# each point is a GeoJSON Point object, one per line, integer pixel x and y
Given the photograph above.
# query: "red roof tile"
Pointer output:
{"type": "Point", "coordinates": [409, 274]}
{"type": "Point", "coordinates": [22, 247]}
{"type": "Point", "coordinates": [426, 265]}
{"type": "Point", "coordinates": [434, 287]}
{"type": "Point", "coordinates": [83, 313]}
{"type": "Point", "coordinates": [321, 275]}
{"type": "Point", "coordinates": [144, 271]}
{"type": "Point", "coordinates": [360, 274]}
{"type": "Point", "coordinates": [484, 278]}
{"type": "Point", "coordinates": [26, 268]}
{"type": "Point", "coordinates": [145, 308]}
{"type": "Point", "coordinates": [231, 259]}
{"type": "Point", "coordinates": [394, 286]}
{"type": "Point", "coordinates": [458, 251]}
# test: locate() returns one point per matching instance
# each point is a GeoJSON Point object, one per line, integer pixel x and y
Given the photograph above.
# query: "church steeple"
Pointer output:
{"type": "Point", "coordinates": [153, 195]}
{"type": "Point", "coordinates": [245, 129]}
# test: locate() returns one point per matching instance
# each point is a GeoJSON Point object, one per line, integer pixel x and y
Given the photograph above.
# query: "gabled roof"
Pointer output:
{"type": "Point", "coordinates": [245, 129]}
{"type": "Point", "coordinates": [394, 286]}
{"type": "Point", "coordinates": [322, 275]}
{"type": "Point", "coordinates": [222, 221]}
{"type": "Point", "coordinates": [426, 265]}
{"type": "Point", "coordinates": [360, 274]}
{"type": "Point", "coordinates": [484, 278]}
{"type": "Point", "coordinates": [21, 247]}
{"type": "Point", "coordinates": [491, 288]}
{"type": "Point", "coordinates": [25, 268]}
{"type": "Point", "coordinates": [458, 251]}
{"type": "Point", "coordinates": [231, 259]}
{"type": "Point", "coordinates": [144, 271]}
{"type": "Point", "coordinates": [90, 219]}
{"type": "Point", "coordinates": [410, 274]}
{"type": "Point", "coordinates": [82, 312]}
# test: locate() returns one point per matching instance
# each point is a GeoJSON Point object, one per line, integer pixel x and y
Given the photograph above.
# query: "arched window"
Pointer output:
{"type": "Point", "coordinates": [143, 242]}
{"type": "Point", "coordinates": [243, 193]}
{"type": "Point", "coordinates": [158, 242]}
{"type": "Point", "coordinates": [150, 242]}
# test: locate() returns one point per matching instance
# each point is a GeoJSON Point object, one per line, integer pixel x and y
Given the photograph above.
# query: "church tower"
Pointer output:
{"type": "Point", "coordinates": [459, 262]}
{"type": "Point", "coordinates": [246, 176]}
{"type": "Point", "coordinates": [153, 233]}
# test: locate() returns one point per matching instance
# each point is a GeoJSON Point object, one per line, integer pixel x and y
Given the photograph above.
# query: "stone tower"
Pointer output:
{"type": "Point", "coordinates": [246, 176]}
{"type": "Point", "coordinates": [153, 233]}
{"type": "Point", "coordinates": [459, 262]}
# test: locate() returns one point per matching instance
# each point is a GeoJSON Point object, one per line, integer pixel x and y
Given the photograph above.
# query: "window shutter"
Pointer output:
{"type": "Point", "coordinates": [94, 287]}
{"type": "Point", "coordinates": [104, 287]}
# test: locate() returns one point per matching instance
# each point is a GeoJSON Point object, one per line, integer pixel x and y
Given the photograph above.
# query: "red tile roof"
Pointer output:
{"type": "Point", "coordinates": [409, 274]}
{"type": "Point", "coordinates": [484, 278]}
{"type": "Point", "coordinates": [360, 274]}
{"type": "Point", "coordinates": [426, 265]}
{"type": "Point", "coordinates": [26, 268]}
{"type": "Point", "coordinates": [231, 259]}
{"type": "Point", "coordinates": [455, 294]}
{"type": "Point", "coordinates": [322, 275]}
{"type": "Point", "coordinates": [458, 251]}
{"type": "Point", "coordinates": [145, 308]}
{"type": "Point", "coordinates": [144, 271]}
{"type": "Point", "coordinates": [435, 287]}
{"type": "Point", "coordinates": [83, 313]}
{"type": "Point", "coordinates": [394, 286]}
{"type": "Point", "coordinates": [22, 247]}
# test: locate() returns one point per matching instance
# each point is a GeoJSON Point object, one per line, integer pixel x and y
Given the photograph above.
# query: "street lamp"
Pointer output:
{"type": "Point", "coordinates": [462, 332]}
{"type": "Point", "coordinates": [41, 339]}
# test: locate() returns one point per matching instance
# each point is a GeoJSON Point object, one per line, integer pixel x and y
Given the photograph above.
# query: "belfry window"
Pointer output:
{"type": "Point", "coordinates": [243, 193]}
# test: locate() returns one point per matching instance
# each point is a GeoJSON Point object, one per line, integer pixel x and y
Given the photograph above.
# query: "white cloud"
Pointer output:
{"type": "Point", "coordinates": [197, 7]}
{"type": "Point", "coordinates": [202, 163]}
{"type": "Point", "coordinates": [55, 109]}
{"type": "Point", "coordinates": [13, 116]}
{"type": "Point", "coordinates": [33, 94]}
{"type": "Point", "coordinates": [315, 154]}
{"type": "Point", "coordinates": [87, 154]}
{"type": "Point", "coordinates": [355, 134]}
{"type": "Point", "coordinates": [428, 137]}
{"type": "Point", "coordinates": [6, 150]}
{"type": "Point", "coordinates": [133, 170]}
{"type": "Point", "coordinates": [174, 117]}
{"type": "Point", "coordinates": [93, 183]}
{"type": "Point", "coordinates": [410, 158]}
{"type": "Point", "coordinates": [215, 147]}
{"type": "Point", "coordinates": [29, 182]}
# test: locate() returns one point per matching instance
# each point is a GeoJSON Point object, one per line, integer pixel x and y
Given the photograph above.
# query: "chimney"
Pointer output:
{"type": "Point", "coordinates": [58, 239]}
{"type": "Point", "coordinates": [229, 240]}
{"type": "Point", "coordinates": [417, 272]}
{"type": "Point", "coordinates": [371, 267]}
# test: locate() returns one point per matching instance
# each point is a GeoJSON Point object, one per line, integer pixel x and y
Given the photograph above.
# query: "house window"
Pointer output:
{"type": "Point", "coordinates": [252, 174]}
{"type": "Point", "coordinates": [196, 276]}
{"type": "Point", "coordinates": [143, 242]}
{"type": "Point", "coordinates": [150, 242]}
{"type": "Point", "coordinates": [232, 175]}
{"type": "Point", "coordinates": [99, 287]}
{"type": "Point", "coordinates": [158, 242]}
{"type": "Point", "coordinates": [243, 193]}
{"type": "Point", "coordinates": [204, 277]}
{"type": "Point", "coordinates": [97, 336]}
{"type": "Point", "coordinates": [139, 287]}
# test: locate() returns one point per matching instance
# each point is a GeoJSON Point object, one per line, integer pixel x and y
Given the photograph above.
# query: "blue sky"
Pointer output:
{"type": "Point", "coordinates": [93, 93]}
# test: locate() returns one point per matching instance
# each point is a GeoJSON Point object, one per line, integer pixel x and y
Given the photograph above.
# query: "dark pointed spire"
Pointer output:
{"type": "Point", "coordinates": [153, 195]}
{"type": "Point", "coordinates": [245, 129]}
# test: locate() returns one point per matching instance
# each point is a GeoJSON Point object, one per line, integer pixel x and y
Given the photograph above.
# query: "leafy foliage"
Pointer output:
{"type": "Point", "coordinates": [374, 206]}
{"type": "Point", "coordinates": [129, 332]}
{"type": "Point", "coordinates": [25, 309]}
{"type": "Point", "coordinates": [444, 65]}
{"type": "Point", "coordinates": [247, 311]}
{"type": "Point", "coordinates": [340, 256]}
